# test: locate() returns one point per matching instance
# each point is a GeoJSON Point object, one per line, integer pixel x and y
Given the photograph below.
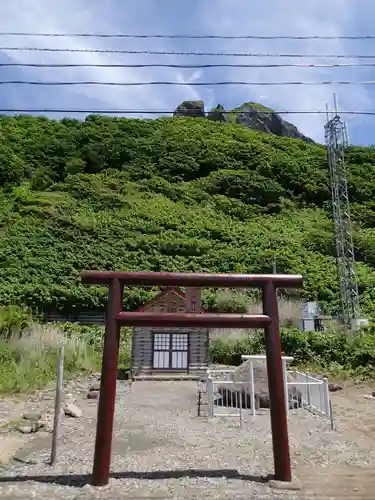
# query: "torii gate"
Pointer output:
{"type": "Point", "coordinates": [116, 317]}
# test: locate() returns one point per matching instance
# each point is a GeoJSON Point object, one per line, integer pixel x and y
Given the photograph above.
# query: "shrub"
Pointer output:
{"type": "Point", "coordinates": [13, 320]}
{"type": "Point", "coordinates": [229, 351]}
{"type": "Point", "coordinates": [29, 361]}
{"type": "Point", "coordinates": [227, 301]}
{"type": "Point", "coordinates": [334, 351]}
{"type": "Point", "coordinates": [93, 336]}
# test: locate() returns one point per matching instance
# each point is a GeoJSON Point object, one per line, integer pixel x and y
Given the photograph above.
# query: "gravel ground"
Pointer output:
{"type": "Point", "coordinates": [161, 449]}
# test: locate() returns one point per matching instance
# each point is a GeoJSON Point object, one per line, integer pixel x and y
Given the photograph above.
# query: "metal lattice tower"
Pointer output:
{"type": "Point", "coordinates": [336, 138]}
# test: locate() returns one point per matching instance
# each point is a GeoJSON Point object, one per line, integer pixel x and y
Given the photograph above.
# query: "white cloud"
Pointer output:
{"type": "Point", "coordinates": [316, 17]}
{"type": "Point", "coordinates": [43, 16]}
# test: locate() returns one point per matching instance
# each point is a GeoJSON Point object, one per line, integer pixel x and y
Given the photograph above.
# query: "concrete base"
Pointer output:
{"type": "Point", "coordinates": [283, 485]}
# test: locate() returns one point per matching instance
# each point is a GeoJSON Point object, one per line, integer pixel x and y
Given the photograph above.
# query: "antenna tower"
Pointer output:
{"type": "Point", "coordinates": [336, 138]}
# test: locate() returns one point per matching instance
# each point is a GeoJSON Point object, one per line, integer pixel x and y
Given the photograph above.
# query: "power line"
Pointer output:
{"type": "Point", "coordinates": [188, 66]}
{"type": "Point", "coordinates": [160, 112]}
{"type": "Point", "coordinates": [182, 53]}
{"type": "Point", "coordinates": [222, 37]}
{"type": "Point", "coordinates": [182, 84]}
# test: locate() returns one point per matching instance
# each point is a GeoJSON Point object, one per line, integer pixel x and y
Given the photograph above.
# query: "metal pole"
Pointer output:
{"type": "Point", "coordinates": [199, 402]}
{"type": "Point", "coordinates": [107, 395]}
{"type": "Point", "coordinates": [210, 396]}
{"type": "Point", "coordinates": [308, 389]}
{"type": "Point", "coordinates": [327, 113]}
{"type": "Point", "coordinates": [279, 424]}
{"type": "Point", "coordinates": [331, 415]}
{"type": "Point", "coordinates": [326, 397]}
{"type": "Point", "coordinates": [285, 380]}
{"type": "Point", "coordinates": [241, 409]}
{"type": "Point", "coordinates": [252, 388]}
{"type": "Point", "coordinates": [335, 104]}
{"type": "Point", "coordinates": [59, 388]}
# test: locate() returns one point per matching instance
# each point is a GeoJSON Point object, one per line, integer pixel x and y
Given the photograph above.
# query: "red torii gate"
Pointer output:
{"type": "Point", "coordinates": [115, 318]}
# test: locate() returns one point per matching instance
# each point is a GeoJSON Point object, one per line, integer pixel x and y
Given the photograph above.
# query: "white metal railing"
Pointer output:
{"type": "Point", "coordinates": [227, 397]}
{"type": "Point", "coordinates": [249, 360]}
{"type": "Point", "coordinates": [313, 391]}
{"type": "Point", "coordinates": [224, 374]}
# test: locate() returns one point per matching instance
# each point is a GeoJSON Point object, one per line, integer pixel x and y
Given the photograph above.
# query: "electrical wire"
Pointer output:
{"type": "Point", "coordinates": [188, 66]}
{"type": "Point", "coordinates": [160, 112]}
{"type": "Point", "coordinates": [200, 37]}
{"type": "Point", "coordinates": [181, 84]}
{"type": "Point", "coordinates": [174, 53]}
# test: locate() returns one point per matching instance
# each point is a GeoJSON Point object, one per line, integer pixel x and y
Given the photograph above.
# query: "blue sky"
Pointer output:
{"type": "Point", "coordinates": [221, 17]}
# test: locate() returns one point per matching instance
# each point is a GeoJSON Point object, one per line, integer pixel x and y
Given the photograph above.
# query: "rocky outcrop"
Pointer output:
{"type": "Point", "coordinates": [239, 398]}
{"type": "Point", "coordinates": [251, 115]}
{"type": "Point", "coordinates": [191, 109]}
{"type": "Point", "coordinates": [272, 123]}
{"type": "Point", "coordinates": [235, 396]}
{"type": "Point", "coordinates": [217, 114]}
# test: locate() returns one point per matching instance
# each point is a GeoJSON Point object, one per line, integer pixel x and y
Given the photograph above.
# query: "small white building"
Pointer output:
{"type": "Point", "coordinates": [311, 320]}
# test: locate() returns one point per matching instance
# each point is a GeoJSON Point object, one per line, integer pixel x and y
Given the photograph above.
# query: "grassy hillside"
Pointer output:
{"type": "Point", "coordinates": [168, 194]}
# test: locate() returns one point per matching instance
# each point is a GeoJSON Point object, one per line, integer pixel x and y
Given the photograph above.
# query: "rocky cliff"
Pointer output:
{"type": "Point", "coordinates": [193, 109]}
{"type": "Point", "coordinates": [252, 115]}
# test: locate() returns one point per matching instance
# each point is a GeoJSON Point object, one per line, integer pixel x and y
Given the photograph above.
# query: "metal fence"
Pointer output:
{"type": "Point", "coordinates": [312, 391]}
{"type": "Point", "coordinates": [227, 397]}
{"type": "Point", "coordinates": [249, 363]}
{"type": "Point", "coordinates": [83, 318]}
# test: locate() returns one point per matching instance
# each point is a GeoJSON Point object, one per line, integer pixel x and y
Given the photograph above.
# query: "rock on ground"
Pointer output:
{"type": "Point", "coordinates": [237, 395]}
{"type": "Point", "coordinates": [72, 410]}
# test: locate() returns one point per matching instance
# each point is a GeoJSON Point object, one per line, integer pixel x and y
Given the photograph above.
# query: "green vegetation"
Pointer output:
{"type": "Point", "coordinates": [335, 353]}
{"type": "Point", "coordinates": [93, 337]}
{"type": "Point", "coordinates": [165, 195]}
{"type": "Point", "coordinates": [254, 105]}
{"type": "Point", "coordinates": [28, 357]}
{"type": "Point", "coordinates": [29, 352]}
{"type": "Point", "coordinates": [168, 194]}
{"type": "Point", "coordinates": [30, 362]}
